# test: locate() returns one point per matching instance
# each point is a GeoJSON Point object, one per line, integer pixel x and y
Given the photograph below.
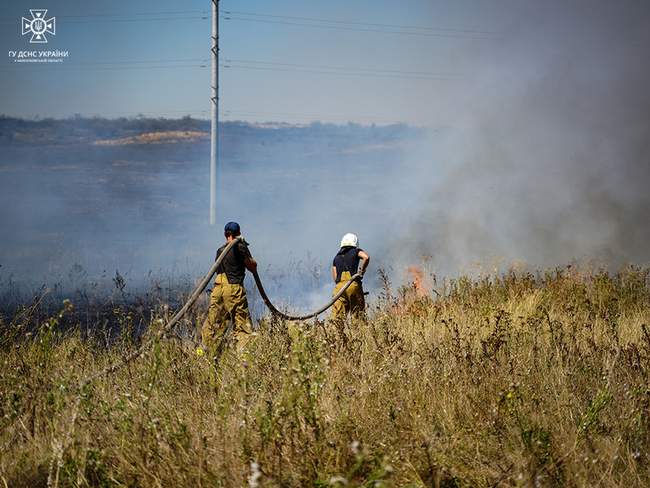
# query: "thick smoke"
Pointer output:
{"type": "Point", "coordinates": [549, 157]}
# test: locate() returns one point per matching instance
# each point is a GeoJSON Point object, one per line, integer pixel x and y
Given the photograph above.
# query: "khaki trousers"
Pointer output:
{"type": "Point", "coordinates": [227, 302]}
{"type": "Point", "coordinates": [352, 301]}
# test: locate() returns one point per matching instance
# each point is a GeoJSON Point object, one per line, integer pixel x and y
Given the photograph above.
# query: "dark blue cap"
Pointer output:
{"type": "Point", "coordinates": [232, 227]}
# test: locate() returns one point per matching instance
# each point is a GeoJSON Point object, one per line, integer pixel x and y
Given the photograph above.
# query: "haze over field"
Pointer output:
{"type": "Point", "coordinates": [132, 196]}
{"type": "Point", "coordinates": [549, 158]}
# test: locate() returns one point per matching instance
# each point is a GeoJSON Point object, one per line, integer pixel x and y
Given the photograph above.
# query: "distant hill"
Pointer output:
{"type": "Point", "coordinates": [81, 130]}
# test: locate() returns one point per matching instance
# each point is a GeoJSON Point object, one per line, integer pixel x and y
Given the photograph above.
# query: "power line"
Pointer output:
{"type": "Point", "coordinates": [257, 65]}
{"type": "Point", "coordinates": [125, 20]}
{"type": "Point", "coordinates": [165, 12]}
{"type": "Point", "coordinates": [476, 37]}
{"type": "Point", "coordinates": [60, 67]}
{"type": "Point", "coordinates": [156, 61]}
{"type": "Point", "coordinates": [151, 19]}
{"type": "Point", "coordinates": [233, 65]}
{"type": "Point", "coordinates": [368, 24]}
{"type": "Point", "coordinates": [145, 14]}
{"type": "Point", "coordinates": [349, 69]}
{"type": "Point", "coordinates": [233, 62]}
{"type": "Point", "coordinates": [202, 14]}
{"type": "Point", "coordinates": [334, 73]}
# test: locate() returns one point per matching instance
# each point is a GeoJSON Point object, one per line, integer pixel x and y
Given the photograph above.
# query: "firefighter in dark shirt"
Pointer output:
{"type": "Point", "coordinates": [347, 262]}
{"type": "Point", "coordinates": [228, 299]}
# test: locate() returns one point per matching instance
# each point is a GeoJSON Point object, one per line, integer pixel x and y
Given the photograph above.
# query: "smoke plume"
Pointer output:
{"type": "Point", "coordinates": [548, 158]}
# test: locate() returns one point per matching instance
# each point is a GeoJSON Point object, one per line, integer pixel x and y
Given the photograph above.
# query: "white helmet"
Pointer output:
{"type": "Point", "coordinates": [350, 240]}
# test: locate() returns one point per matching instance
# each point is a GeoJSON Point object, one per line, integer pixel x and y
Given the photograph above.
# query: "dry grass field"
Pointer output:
{"type": "Point", "coordinates": [514, 380]}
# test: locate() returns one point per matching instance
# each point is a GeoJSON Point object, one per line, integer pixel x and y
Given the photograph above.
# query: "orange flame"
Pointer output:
{"type": "Point", "coordinates": [420, 283]}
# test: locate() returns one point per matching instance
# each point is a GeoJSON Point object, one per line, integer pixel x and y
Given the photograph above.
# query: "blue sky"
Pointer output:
{"type": "Point", "coordinates": [121, 31]}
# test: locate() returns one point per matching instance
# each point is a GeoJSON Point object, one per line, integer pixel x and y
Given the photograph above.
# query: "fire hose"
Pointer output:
{"type": "Point", "coordinates": [57, 459]}
{"type": "Point", "coordinates": [53, 476]}
{"type": "Point", "coordinates": [195, 295]}
{"type": "Point", "coordinates": [285, 316]}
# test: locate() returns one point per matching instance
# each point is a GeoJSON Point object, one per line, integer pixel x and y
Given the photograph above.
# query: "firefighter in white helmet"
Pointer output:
{"type": "Point", "coordinates": [349, 261]}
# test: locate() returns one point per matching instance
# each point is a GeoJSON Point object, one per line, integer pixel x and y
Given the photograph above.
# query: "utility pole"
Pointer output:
{"type": "Point", "coordinates": [214, 112]}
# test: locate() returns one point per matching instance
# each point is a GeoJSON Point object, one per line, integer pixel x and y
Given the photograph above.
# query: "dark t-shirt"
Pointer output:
{"type": "Point", "coordinates": [233, 262]}
{"type": "Point", "coordinates": [347, 259]}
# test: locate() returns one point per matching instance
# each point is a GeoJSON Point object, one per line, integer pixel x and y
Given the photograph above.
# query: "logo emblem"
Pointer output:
{"type": "Point", "coordinates": [38, 25]}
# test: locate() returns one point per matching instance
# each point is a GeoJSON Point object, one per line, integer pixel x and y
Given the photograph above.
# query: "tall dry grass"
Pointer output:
{"type": "Point", "coordinates": [517, 380]}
